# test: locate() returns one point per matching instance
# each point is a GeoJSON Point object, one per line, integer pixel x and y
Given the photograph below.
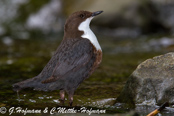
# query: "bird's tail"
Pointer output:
{"type": "Point", "coordinates": [25, 84]}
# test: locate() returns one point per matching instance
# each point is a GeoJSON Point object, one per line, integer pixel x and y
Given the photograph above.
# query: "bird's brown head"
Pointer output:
{"type": "Point", "coordinates": [74, 20]}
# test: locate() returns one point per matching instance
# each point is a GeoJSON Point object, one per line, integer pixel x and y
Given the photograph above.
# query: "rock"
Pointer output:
{"type": "Point", "coordinates": [151, 83]}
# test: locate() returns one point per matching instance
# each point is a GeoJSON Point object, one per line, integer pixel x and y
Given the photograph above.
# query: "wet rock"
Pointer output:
{"type": "Point", "coordinates": [151, 83]}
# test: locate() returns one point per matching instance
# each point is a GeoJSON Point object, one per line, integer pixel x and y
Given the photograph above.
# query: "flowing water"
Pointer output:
{"type": "Point", "coordinates": [23, 59]}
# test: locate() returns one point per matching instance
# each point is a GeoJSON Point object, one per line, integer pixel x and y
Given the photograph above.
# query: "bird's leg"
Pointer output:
{"type": "Point", "coordinates": [70, 97]}
{"type": "Point", "coordinates": [62, 96]}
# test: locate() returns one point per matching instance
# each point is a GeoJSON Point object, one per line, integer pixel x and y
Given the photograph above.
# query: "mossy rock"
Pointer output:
{"type": "Point", "coordinates": [151, 83]}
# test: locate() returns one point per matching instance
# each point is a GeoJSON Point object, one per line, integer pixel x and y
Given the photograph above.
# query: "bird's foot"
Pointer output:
{"type": "Point", "coordinates": [62, 102]}
{"type": "Point", "coordinates": [70, 100]}
{"type": "Point", "coordinates": [70, 103]}
{"type": "Point", "coordinates": [62, 97]}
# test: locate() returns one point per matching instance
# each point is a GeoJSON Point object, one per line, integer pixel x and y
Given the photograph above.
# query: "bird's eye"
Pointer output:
{"type": "Point", "coordinates": [82, 15]}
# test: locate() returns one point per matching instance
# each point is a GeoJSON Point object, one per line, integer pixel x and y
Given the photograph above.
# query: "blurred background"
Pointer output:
{"type": "Point", "coordinates": [129, 31]}
{"type": "Point", "coordinates": [27, 19]}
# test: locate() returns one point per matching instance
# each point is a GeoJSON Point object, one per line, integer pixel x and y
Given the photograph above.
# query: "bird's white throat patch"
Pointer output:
{"type": "Point", "coordinates": [88, 34]}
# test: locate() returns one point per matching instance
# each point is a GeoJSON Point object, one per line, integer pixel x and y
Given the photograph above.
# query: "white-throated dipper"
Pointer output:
{"type": "Point", "coordinates": [76, 58]}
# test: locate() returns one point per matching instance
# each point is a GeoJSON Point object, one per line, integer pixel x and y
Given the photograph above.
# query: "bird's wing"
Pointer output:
{"type": "Point", "coordinates": [71, 58]}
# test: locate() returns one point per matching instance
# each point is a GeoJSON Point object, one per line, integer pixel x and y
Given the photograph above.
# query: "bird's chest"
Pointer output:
{"type": "Point", "coordinates": [98, 57]}
{"type": "Point", "coordinates": [97, 61]}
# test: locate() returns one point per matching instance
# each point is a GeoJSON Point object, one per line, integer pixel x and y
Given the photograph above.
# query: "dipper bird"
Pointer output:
{"type": "Point", "coordinates": [76, 58]}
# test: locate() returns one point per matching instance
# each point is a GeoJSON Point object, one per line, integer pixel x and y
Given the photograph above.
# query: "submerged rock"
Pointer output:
{"type": "Point", "coordinates": [151, 83]}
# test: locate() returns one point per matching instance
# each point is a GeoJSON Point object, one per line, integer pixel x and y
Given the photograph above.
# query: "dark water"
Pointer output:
{"type": "Point", "coordinates": [23, 59]}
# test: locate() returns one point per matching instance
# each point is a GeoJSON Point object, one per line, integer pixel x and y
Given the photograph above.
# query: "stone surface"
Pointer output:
{"type": "Point", "coordinates": [151, 83]}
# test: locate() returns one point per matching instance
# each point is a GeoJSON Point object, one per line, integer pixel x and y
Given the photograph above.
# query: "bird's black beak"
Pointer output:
{"type": "Point", "coordinates": [96, 13]}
